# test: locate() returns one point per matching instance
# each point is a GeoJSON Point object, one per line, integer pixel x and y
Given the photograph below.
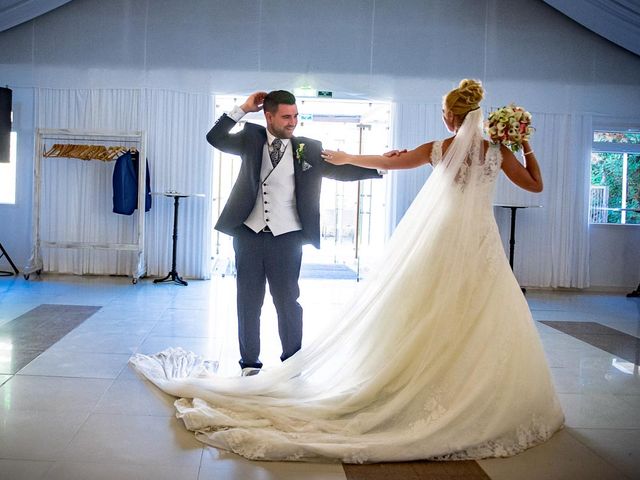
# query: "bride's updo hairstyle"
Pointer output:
{"type": "Point", "coordinates": [465, 98]}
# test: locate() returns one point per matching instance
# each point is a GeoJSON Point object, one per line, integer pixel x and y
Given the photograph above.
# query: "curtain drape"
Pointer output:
{"type": "Point", "coordinates": [552, 242]}
{"type": "Point", "coordinates": [177, 124]}
{"type": "Point", "coordinates": [77, 195]}
{"type": "Point", "coordinates": [414, 124]}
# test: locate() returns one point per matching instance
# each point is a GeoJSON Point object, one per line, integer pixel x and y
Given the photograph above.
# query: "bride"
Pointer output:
{"type": "Point", "coordinates": [435, 357]}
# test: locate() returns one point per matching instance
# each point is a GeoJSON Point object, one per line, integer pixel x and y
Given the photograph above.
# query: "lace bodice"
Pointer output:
{"type": "Point", "coordinates": [481, 167]}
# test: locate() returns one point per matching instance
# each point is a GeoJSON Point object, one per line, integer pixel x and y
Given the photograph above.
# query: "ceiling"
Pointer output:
{"type": "Point", "coordinates": [616, 20]}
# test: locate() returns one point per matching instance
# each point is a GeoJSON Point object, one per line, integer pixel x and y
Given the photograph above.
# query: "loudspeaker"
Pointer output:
{"type": "Point", "coordinates": [5, 123]}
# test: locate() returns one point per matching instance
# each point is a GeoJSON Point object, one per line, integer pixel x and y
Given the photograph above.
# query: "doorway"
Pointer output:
{"type": "Point", "coordinates": [352, 214]}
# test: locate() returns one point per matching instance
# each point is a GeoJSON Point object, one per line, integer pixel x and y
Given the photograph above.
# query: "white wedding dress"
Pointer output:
{"type": "Point", "coordinates": [435, 357]}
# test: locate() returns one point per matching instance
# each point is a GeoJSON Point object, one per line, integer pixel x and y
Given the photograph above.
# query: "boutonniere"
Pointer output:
{"type": "Point", "coordinates": [300, 154]}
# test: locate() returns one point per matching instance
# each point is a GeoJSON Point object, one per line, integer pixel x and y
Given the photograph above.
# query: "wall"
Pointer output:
{"type": "Point", "coordinates": [412, 50]}
{"type": "Point", "coordinates": [615, 256]}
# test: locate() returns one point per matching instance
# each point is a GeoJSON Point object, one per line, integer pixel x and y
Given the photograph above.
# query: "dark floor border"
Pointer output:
{"type": "Point", "coordinates": [459, 470]}
{"type": "Point", "coordinates": [27, 336]}
{"type": "Point", "coordinates": [600, 336]}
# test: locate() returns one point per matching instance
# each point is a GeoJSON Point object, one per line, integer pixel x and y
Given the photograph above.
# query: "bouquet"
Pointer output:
{"type": "Point", "coordinates": [510, 125]}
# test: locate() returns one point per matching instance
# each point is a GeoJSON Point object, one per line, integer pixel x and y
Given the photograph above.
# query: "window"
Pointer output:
{"type": "Point", "coordinates": [8, 174]}
{"type": "Point", "coordinates": [615, 177]}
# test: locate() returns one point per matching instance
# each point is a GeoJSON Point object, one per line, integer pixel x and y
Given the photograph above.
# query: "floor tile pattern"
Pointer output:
{"type": "Point", "coordinates": [78, 411]}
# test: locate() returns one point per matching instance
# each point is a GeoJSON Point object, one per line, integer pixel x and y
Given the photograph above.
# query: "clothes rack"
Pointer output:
{"type": "Point", "coordinates": [59, 138]}
{"type": "Point", "coordinates": [87, 152]}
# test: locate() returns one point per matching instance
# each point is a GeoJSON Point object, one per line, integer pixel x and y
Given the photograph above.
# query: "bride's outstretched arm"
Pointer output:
{"type": "Point", "coordinates": [526, 176]}
{"type": "Point", "coordinates": [392, 161]}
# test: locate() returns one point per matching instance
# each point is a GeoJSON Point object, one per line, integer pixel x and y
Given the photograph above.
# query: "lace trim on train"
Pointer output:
{"type": "Point", "coordinates": [526, 436]}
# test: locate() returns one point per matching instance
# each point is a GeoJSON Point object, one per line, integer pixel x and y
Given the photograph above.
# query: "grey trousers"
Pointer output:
{"type": "Point", "coordinates": [261, 258]}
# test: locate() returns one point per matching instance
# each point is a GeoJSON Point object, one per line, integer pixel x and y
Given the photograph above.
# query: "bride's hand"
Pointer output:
{"type": "Point", "coordinates": [335, 157]}
{"type": "Point", "coordinates": [394, 153]}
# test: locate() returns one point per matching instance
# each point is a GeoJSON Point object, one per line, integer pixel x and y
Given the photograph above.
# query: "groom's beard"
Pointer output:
{"type": "Point", "coordinates": [282, 132]}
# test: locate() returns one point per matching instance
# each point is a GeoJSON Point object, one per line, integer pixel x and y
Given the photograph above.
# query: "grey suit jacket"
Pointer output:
{"type": "Point", "coordinates": [308, 172]}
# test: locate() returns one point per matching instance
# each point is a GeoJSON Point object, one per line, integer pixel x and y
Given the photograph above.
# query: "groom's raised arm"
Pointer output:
{"type": "Point", "coordinates": [219, 135]}
{"type": "Point", "coordinates": [348, 172]}
{"type": "Point", "coordinates": [344, 173]}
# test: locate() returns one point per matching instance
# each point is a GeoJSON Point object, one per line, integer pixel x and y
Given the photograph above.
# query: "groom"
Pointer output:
{"type": "Point", "coordinates": [272, 211]}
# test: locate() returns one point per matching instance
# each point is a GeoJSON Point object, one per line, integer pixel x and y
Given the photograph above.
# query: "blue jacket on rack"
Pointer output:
{"type": "Point", "coordinates": [125, 185]}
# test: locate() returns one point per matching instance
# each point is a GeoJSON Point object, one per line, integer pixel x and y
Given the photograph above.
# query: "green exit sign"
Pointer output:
{"type": "Point", "coordinates": [325, 93]}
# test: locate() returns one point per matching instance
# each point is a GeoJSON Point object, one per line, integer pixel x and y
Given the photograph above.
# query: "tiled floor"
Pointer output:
{"type": "Point", "coordinates": [76, 411]}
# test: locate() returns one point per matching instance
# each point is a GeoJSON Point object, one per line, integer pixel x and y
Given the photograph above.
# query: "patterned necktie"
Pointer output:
{"type": "Point", "coordinates": [275, 152]}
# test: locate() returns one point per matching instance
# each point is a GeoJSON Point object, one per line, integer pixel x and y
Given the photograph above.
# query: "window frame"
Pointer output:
{"type": "Point", "coordinates": [615, 147]}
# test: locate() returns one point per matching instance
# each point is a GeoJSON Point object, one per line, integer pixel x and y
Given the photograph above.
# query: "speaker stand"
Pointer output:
{"type": "Point", "coordinates": [15, 269]}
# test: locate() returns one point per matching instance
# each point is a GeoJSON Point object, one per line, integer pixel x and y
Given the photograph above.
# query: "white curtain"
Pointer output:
{"type": "Point", "coordinates": [552, 242]}
{"type": "Point", "coordinates": [177, 124]}
{"type": "Point", "coordinates": [414, 124]}
{"type": "Point", "coordinates": [77, 195]}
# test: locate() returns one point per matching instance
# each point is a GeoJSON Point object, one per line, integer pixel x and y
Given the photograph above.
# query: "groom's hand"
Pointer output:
{"type": "Point", "coordinates": [394, 153]}
{"type": "Point", "coordinates": [254, 102]}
